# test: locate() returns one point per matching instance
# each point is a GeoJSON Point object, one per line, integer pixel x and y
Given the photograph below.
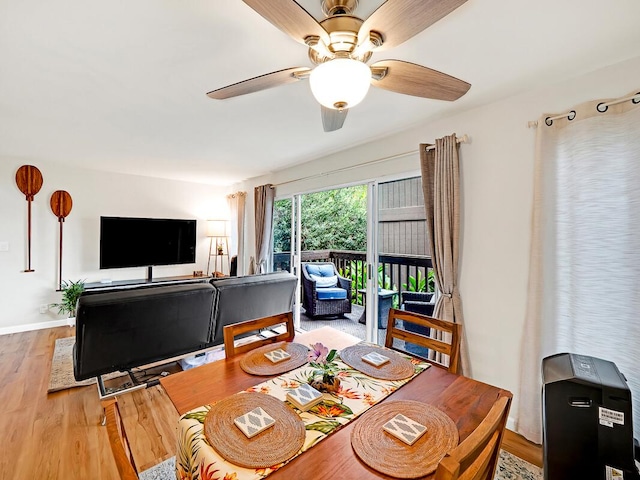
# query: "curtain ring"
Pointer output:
{"type": "Point", "coordinates": [606, 107]}
{"type": "Point", "coordinates": [548, 121]}
{"type": "Point", "coordinates": [572, 115]}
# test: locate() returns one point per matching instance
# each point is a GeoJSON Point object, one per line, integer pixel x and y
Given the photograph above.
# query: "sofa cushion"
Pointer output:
{"type": "Point", "coordinates": [321, 270]}
{"type": "Point", "coordinates": [332, 293]}
{"type": "Point", "coordinates": [324, 282]}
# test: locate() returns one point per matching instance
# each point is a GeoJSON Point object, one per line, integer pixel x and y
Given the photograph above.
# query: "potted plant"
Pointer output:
{"type": "Point", "coordinates": [70, 293]}
{"type": "Point", "coordinates": [323, 377]}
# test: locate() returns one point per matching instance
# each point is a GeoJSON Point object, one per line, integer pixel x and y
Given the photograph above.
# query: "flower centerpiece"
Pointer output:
{"type": "Point", "coordinates": [323, 377]}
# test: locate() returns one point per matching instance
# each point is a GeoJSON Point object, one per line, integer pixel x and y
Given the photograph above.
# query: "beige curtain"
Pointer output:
{"type": "Point", "coordinates": [263, 202]}
{"type": "Point", "coordinates": [584, 262]}
{"type": "Point", "coordinates": [441, 187]}
{"type": "Point", "coordinates": [236, 203]}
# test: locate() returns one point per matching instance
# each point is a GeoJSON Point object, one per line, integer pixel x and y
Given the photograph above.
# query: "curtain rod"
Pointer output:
{"type": "Point", "coordinates": [462, 139]}
{"type": "Point", "coordinates": [601, 107]}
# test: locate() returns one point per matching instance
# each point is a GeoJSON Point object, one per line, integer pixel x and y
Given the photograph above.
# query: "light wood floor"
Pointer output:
{"type": "Point", "coordinates": [58, 435]}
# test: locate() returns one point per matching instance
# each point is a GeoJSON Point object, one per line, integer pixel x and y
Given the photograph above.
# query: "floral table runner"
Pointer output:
{"type": "Point", "coordinates": [197, 460]}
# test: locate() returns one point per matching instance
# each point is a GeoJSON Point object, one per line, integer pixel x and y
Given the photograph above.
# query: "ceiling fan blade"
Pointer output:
{"type": "Point", "coordinates": [263, 82]}
{"type": "Point", "coordinates": [419, 81]}
{"type": "Point", "coordinates": [291, 18]}
{"type": "Point", "coordinates": [399, 20]}
{"type": "Point", "coordinates": [333, 119]}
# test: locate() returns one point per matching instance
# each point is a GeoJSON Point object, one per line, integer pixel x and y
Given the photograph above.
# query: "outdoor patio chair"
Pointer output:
{"type": "Point", "coordinates": [325, 292]}
{"type": "Point", "coordinates": [418, 302]}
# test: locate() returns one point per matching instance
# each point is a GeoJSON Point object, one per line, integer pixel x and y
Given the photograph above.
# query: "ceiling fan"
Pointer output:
{"type": "Point", "coordinates": [340, 46]}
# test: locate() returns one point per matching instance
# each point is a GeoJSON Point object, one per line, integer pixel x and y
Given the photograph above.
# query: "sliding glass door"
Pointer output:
{"type": "Point", "coordinates": [375, 236]}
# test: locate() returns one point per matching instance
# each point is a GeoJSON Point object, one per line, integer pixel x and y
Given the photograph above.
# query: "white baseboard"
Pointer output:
{"type": "Point", "coordinates": [511, 424]}
{"type": "Point", "coordinates": [65, 322]}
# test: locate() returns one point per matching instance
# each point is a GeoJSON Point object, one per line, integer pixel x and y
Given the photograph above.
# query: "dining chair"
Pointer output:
{"type": "Point", "coordinates": [118, 440]}
{"type": "Point", "coordinates": [436, 339]}
{"type": "Point", "coordinates": [476, 458]}
{"type": "Point", "coordinates": [231, 331]}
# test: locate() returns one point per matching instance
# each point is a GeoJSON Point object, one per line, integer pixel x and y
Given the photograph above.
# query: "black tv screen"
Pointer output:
{"type": "Point", "coordinates": [144, 242]}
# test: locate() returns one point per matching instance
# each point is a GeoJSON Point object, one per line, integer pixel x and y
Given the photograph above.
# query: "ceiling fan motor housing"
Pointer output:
{"type": "Point", "coordinates": [339, 7]}
{"type": "Point", "coordinates": [343, 32]}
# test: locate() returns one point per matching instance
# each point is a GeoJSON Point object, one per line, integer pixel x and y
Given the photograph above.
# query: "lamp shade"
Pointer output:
{"type": "Point", "coordinates": [340, 83]}
{"type": "Point", "coordinates": [217, 228]}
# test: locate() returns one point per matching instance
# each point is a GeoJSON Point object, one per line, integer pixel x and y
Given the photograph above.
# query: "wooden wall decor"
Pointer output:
{"type": "Point", "coordinates": [29, 180]}
{"type": "Point", "coordinates": [61, 205]}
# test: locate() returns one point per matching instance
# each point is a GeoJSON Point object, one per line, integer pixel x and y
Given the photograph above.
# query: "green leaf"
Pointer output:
{"type": "Point", "coordinates": [199, 415]}
{"type": "Point", "coordinates": [331, 356]}
{"type": "Point", "coordinates": [71, 291]}
{"type": "Point", "coordinates": [324, 426]}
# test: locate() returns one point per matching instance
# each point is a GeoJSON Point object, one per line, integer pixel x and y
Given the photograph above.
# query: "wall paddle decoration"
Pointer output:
{"type": "Point", "coordinates": [61, 205]}
{"type": "Point", "coordinates": [29, 180]}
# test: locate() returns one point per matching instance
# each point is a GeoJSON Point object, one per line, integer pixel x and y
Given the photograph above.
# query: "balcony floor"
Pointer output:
{"type": "Point", "coordinates": [348, 325]}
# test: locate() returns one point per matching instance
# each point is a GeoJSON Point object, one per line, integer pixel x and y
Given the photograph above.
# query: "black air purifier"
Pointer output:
{"type": "Point", "coordinates": [588, 430]}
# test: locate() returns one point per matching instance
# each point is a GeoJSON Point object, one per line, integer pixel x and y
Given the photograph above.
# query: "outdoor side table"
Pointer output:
{"type": "Point", "coordinates": [385, 302]}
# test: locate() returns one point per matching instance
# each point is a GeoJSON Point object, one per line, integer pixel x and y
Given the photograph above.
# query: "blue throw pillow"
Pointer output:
{"type": "Point", "coordinates": [321, 270]}
{"type": "Point", "coordinates": [326, 270]}
{"type": "Point", "coordinates": [312, 269]}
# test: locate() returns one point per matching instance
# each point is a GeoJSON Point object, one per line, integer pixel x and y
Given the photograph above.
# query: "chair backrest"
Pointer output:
{"type": "Point", "coordinates": [231, 331]}
{"type": "Point", "coordinates": [443, 337]}
{"type": "Point", "coordinates": [118, 440]}
{"type": "Point", "coordinates": [476, 458]}
{"type": "Point", "coordinates": [319, 270]}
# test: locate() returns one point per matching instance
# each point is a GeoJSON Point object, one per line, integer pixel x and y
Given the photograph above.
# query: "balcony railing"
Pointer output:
{"type": "Point", "coordinates": [393, 274]}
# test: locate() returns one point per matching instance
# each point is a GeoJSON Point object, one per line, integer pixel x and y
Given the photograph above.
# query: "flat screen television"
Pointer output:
{"type": "Point", "coordinates": [146, 242]}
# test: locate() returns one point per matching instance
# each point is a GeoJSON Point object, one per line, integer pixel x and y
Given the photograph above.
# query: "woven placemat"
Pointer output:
{"type": "Point", "coordinates": [386, 454]}
{"type": "Point", "coordinates": [275, 445]}
{"type": "Point", "coordinates": [397, 368]}
{"type": "Point", "coordinates": [255, 363]}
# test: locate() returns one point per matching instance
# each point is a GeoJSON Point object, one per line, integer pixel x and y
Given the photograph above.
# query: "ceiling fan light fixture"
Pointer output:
{"type": "Point", "coordinates": [340, 83]}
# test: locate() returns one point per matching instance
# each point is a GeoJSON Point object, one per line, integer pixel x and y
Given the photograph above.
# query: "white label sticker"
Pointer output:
{"type": "Point", "coordinates": [611, 416]}
{"type": "Point", "coordinates": [614, 473]}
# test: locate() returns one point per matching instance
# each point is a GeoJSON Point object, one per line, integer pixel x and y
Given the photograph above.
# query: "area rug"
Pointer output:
{"type": "Point", "coordinates": [510, 467]}
{"type": "Point", "coordinates": [163, 471]}
{"type": "Point", "coordinates": [61, 376]}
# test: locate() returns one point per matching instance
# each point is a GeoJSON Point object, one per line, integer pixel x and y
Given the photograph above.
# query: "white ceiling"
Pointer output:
{"type": "Point", "coordinates": [120, 85]}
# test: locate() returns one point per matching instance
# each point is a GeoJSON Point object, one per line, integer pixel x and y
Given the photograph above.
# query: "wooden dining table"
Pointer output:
{"type": "Point", "coordinates": [464, 400]}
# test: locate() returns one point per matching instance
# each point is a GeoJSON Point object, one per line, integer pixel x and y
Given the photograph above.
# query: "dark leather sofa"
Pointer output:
{"type": "Point", "coordinates": [123, 328]}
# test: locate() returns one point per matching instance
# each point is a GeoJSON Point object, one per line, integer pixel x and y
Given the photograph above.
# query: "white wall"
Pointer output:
{"type": "Point", "coordinates": [497, 189]}
{"type": "Point", "coordinates": [94, 194]}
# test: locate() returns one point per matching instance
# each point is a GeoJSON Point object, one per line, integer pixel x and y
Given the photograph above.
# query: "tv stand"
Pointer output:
{"type": "Point", "coordinates": [146, 281]}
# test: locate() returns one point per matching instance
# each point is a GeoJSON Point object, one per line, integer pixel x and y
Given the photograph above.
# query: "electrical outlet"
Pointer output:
{"type": "Point", "coordinates": [44, 308]}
